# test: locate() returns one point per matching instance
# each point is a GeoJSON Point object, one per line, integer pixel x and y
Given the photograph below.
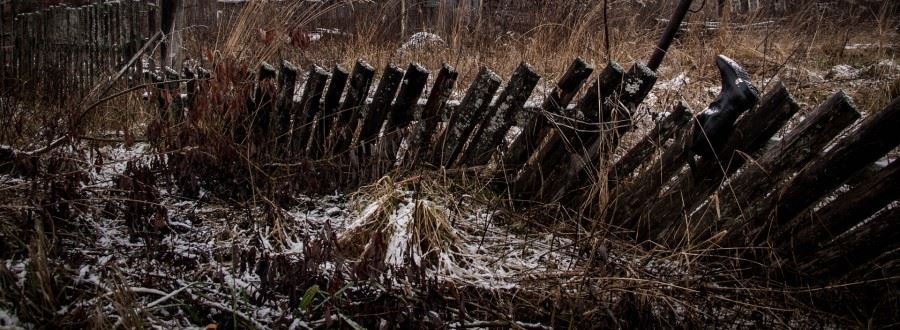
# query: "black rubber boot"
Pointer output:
{"type": "Point", "coordinates": [716, 123]}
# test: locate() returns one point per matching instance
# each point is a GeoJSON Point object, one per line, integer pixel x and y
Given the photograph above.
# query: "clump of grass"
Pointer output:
{"type": "Point", "coordinates": [398, 228]}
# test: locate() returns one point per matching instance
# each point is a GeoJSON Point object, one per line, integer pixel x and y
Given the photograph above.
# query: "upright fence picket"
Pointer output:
{"type": "Point", "coordinates": [63, 50]}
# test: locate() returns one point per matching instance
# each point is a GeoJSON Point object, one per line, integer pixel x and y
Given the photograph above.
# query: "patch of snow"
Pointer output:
{"type": "Point", "coordinates": [674, 84]}
{"type": "Point", "coordinates": [421, 40]}
{"type": "Point", "coordinates": [843, 72]}
{"type": "Point", "coordinates": [9, 320]}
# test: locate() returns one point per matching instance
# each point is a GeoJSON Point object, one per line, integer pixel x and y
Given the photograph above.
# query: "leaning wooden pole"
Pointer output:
{"type": "Point", "coordinates": [666, 40]}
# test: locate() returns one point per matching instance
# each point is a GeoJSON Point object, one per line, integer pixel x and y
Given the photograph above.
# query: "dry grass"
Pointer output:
{"type": "Point", "coordinates": [431, 240]}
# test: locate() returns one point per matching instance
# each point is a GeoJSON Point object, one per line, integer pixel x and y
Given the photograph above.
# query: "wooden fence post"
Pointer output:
{"type": "Point", "coordinates": [330, 106]}
{"type": "Point", "coordinates": [351, 108]}
{"type": "Point", "coordinates": [262, 106]}
{"type": "Point", "coordinates": [450, 144]}
{"type": "Point", "coordinates": [287, 83]}
{"type": "Point", "coordinates": [539, 125]}
{"type": "Point", "coordinates": [402, 111]}
{"type": "Point", "coordinates": [420, 139]}
{"type": "Point", "coordinates": [376, 112]}
{"type": "Point", "coordinates": [169, 22]}
{"type": "Point", "coordinates": [305, 112]}
{"type": "Point", "coordinates": [501, 116]}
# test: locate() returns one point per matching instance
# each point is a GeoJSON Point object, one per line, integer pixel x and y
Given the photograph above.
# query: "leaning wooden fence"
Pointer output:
{"type": "Point", "coordinates": [783, 194]}
{"type": "Point", "coordinates": [758, 190]}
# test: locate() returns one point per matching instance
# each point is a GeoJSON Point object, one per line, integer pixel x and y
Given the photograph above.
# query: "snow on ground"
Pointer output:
{"type": "Point", "coordinates": [9, 321]}
{"type": "Point", "coordinates": [420, 40]}
{"type": "Point", "coordinates": [205, 243]}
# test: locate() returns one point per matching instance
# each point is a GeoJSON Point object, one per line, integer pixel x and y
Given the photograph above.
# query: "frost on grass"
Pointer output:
{"type": "Point", "coordinates": [390, 242]}
{"type": "Point", "coordinates": [458, 243]}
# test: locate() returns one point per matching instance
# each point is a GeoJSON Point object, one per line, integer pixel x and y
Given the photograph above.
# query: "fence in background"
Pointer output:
{"type": "Point", "coordinates": [64, 50]}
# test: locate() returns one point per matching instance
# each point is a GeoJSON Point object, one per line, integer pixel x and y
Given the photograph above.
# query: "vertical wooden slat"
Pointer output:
{"type": "Point", "coordinates": [191, 90]}
{"type": "Point", "coordinates": [115, 34]}
{"type": "Point", "coordinates": [377, 111]}
{"type": "Point", "coordinates": [106, 37]}
{"type": "Point", "coordinates": [17, 46]}
{"type": "Point", "coordinates": [79, 50]}
{"type": "Point", "coordinates": [305, 111]}
{"type": "Point", "coordinates": [451, 142]}
{"type": "Point", "coordinates": [347, 120]}
{"type": "Point", "coordinates": [121, 24]}
{"type": "Point", "coordinates": [501, 116]}
{"type": "Point", "coordinates": [330, 105]}
{"type": "Point", "coordinates": [95, 42]}
{"type": "Point", "coordinates": [172, 86]}
{"type": "Point", "coordinates": [263, 103]}
{"type": "Point", "coordinates": [537, 128]}
{"type": "Point", "coordinates": [420, 139]}
{"type": "Point", "coordinates": [571, 139]}
{"type": "Point", "coordinates": [67, 46]}
{"type": "Point", "coordinates": [402, 111]}
{"type": "Point", "coordinates": [28, 56]}
{"type": "Point", "coordinates": [287, 84]}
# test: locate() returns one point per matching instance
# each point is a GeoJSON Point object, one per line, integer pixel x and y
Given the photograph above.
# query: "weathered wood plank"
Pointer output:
{"type": "Point", "coordinates": [569, 138]}
{"type": "Point", "coordinates": [859, 246]}
{"type": "Point", "coordinates": [262, 106]}
{"type": "Point", "coordinates": [176, 106]}
{"type": "Point", "coordinates": [420, 139]}
{"type": "Point", "coordinates": [629, 197]}
{"type": "Point", "coordinates": [377, 111]}
{"type": "Point", "coordinates": [661, 133]}
{"type": "Point", "coordinates": [537, 128]}
{"type": "Point", "coordinates": [192, 87]}
{"type": "Point", "coordinates": [751, 132]}
{"type": "Point", "coordinates": [351, 108]}
{"type": "Point", "coordinates": [500, 117]}
{"type": "Point", "coordinates": [813, 230]}
{"type": "Point", "coordinates": [117, 27]}
{"type": "Point", "coordinates": [450, 144]}
{"type": "Point", "coordinates": [94, 47]}
{"type": "Point", "coordinates": [614, 112]}
{"type": "Point", "coordinates": [402, 111]}
{"type": "Point", "coordinates": [330, 107]}
{"type": "Point", "coordinates": [305, 111]}
{"type": "Point", "coordinates": [287, 84]}
{"type": "Point", "coordinates": [777, 164]}
{"type": "Point", "coordinates": [874, 137]}
{"type": "Point", "coordinates": [636, 198]}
